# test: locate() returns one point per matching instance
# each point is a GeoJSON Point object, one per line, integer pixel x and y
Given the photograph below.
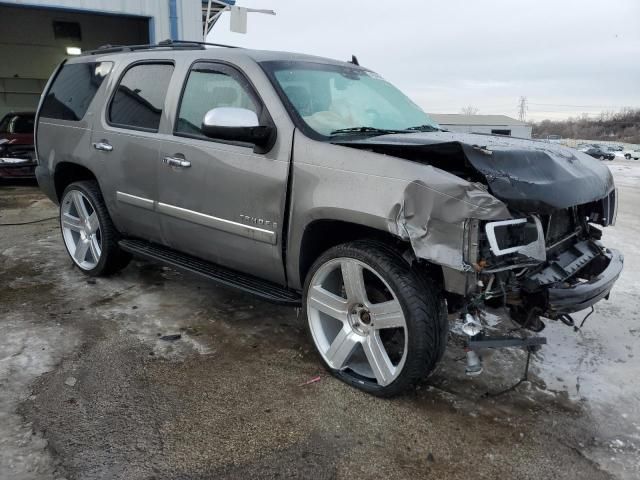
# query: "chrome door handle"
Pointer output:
{"type": "Point", "coordinates": [104, 146]}
{"type": "Point", "coordinates": [176, 162]}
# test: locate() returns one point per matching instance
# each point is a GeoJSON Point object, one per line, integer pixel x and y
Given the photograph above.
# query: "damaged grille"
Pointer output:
{"type": "Point", "coordinates": [558, 226]}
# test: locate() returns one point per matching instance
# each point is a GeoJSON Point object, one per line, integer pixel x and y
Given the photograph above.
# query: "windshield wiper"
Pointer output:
{"type": "Point", "coordinates": [424, 128]}
{"type": "Point", "coordinates": [366, 130]}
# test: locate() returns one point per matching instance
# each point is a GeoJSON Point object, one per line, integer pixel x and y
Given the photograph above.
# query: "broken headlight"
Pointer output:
{"type": "Point", "coordinates": [523, 236]}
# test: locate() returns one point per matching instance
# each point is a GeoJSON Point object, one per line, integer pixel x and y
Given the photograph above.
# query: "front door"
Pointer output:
{"type": "Point", "coordinates": [221, 200]}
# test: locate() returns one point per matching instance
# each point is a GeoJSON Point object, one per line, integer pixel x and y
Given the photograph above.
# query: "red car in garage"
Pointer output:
{"type": "Point", "coordinates": [17, 153]}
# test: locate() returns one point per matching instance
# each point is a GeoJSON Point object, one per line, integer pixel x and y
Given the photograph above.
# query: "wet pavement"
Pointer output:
{"type": "Point", "coordinates": [157, 374]}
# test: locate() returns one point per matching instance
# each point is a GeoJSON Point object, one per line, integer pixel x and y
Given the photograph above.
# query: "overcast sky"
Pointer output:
{"type": "Point", "coordinates": [566, 57]}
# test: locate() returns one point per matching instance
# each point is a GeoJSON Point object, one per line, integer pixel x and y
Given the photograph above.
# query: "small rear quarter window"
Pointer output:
{"type": "Point", "coordinates": [73, 90]}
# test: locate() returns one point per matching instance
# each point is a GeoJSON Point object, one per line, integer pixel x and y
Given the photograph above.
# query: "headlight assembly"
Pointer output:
{"type": "Point", "coordinates": [524, 236]}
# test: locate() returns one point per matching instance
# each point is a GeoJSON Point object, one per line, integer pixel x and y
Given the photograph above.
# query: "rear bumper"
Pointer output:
{"type": "Point", "coordinates": [45, 182]}
{"type": "Point", "coordinates": [584, 295]}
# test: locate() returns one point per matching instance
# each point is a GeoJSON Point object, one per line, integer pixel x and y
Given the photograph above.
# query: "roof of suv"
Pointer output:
{"type": "Point", "coordinates": [225, 53]}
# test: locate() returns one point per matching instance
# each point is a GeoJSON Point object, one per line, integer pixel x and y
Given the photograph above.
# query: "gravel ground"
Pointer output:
{"type": "Point", "coordinates": [89, 389]}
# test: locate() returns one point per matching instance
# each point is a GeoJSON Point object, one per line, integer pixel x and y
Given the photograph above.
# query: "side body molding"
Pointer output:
{"type": "Point", "coordinates": [255, 233]}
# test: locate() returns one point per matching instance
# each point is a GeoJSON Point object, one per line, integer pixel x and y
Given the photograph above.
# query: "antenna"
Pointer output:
{"type": "Point", "coordinates": [354, 60]}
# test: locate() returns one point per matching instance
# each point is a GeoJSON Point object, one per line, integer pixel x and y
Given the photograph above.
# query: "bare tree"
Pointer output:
{"type": "Point", "coordinates": [623, 126]}
{"type": "Point", "coordinates": [522, 109]}
{"type": "Point", "coordinates": [469, 110]}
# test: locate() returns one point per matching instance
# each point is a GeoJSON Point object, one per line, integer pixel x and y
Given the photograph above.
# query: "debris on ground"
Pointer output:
{"type": "Point", "coordinates": [171, 338]}
{"type": "Point", "coordinates": [309, 382]}
{"type": "Point", "coordinates": [71, 381]}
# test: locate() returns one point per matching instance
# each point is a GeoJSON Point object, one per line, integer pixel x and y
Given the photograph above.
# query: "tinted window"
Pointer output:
{"type": "Point", "coordinates": [73, 89]}
{"type": "Point", "coordinates": [139, 99]}
{"type": "Point", "coordinates": [208, 89]}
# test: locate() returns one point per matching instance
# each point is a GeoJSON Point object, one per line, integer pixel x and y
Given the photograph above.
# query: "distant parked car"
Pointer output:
{"type": "Point", "coordinates": [600, 153]}
{"type": "Point", "coordinates": [635, 154]}
{"type": "Point", "coordinates": [17, 153]}
{"type": "Point", "coordinates": [616, 148]}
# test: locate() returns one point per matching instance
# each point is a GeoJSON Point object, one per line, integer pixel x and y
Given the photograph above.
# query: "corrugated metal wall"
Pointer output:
{"type": "Point", "coordinates": [189, 13]}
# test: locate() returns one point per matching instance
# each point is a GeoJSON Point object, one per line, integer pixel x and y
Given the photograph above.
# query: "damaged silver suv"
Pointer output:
{"type": "Point", "coordinates": [312, 182]}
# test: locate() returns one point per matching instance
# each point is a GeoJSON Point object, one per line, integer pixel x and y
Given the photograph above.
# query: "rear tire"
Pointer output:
{"type": "Point", "coordinates": [88, 233]}
{"type": "Point", "coordinates": [376, 324]}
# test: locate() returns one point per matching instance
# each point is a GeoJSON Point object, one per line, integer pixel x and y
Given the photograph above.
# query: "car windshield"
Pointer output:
{"type": "Point", "coordinates": [336, 100]}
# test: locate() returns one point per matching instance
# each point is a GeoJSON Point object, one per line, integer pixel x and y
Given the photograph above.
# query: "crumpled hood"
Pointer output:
{"type": "Point", "coordinates": [528, 175]}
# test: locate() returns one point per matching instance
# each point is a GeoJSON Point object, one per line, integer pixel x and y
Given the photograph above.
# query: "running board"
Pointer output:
{"type": "Point", "coordinates": [262, 288]}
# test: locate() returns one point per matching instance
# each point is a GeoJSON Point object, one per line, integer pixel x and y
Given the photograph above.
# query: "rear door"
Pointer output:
{"type": "Point", "coordinates": [226, 204]}
{"type": "Point", "coordinates": [125, 144]}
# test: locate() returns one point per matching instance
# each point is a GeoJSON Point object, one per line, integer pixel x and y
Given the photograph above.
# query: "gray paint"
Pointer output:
{"type": "Point", "coordinates": [200, 210]}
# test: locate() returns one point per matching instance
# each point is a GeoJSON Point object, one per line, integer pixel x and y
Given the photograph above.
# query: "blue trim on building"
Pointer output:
{"type": "Point", "coordinates": [152, 30]}
{"type": "Point", "coordinates": [173, 19]}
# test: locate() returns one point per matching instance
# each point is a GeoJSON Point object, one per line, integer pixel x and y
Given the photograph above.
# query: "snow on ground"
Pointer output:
{"type": "Point", "coordinates": [600, 364]}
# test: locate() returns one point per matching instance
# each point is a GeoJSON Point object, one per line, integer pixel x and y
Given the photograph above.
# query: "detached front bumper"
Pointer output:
{"type": "Point", "coordinates": [569, 299]}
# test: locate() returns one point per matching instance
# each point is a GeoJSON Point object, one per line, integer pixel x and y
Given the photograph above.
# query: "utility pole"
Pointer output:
{"type": "Point", "coordinates": [522, 109]}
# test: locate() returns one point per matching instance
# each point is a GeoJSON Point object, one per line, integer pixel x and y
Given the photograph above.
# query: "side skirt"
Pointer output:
{"type": "Point", "coordinates": [264, 289]}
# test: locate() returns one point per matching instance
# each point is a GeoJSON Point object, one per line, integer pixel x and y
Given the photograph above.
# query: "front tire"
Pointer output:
{"type": "Point", "coordinates": [89, 235]}
{"type": "Point", "coordinates": [377, 324]}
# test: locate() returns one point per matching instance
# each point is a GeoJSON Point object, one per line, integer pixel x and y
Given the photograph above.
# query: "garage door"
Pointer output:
{"type": "Point", "coordinates": [34, 40]}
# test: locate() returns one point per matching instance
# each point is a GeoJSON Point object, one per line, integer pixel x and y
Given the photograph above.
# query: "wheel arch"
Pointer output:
{"type": "Point", "coordinates": [322, 234]}
{"type": "Point", "coordinates": [69, 172]}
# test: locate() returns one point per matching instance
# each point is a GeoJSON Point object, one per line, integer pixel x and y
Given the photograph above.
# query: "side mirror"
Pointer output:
{"type": "Point", "coordinates": [236, 124]}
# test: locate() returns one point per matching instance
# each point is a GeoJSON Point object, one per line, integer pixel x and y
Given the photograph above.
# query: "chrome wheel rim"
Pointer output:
{"type": "Point", "coordinates": [81, 229]}
{"type": "Point", "coordinates": [356, 321]}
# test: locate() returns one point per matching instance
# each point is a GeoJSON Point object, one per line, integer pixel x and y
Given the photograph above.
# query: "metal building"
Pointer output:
{"type": "Point", "coordinates": [495, 124]}
{"type": "Point", "coordinates": [36, 35]}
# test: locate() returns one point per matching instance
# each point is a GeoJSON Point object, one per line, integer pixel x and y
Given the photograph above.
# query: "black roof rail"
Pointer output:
{"type": "Point", "coordinates": [193, 42]}
{"type": "Point", "coordinates": [174, 44]}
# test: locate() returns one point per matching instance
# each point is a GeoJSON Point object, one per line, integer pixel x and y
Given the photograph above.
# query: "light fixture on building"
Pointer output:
{"type": "Point", "coordinates": [74, 50]}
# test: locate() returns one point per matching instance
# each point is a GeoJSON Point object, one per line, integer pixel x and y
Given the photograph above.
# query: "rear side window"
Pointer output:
{"type": "Point", "coordinates": [139, 98]}
{"type": "Point", "coordinates": [73, 89]}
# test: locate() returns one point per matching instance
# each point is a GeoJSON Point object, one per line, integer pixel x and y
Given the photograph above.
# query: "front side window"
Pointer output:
{"type": "Point", "coordinates": [139, 98]}
{"type": "Point", "coordinates": [330, 98]}
{"type": "Point", "coordinates": [73, 90]}
{"type": "Point", "coordinates": [208, 88]}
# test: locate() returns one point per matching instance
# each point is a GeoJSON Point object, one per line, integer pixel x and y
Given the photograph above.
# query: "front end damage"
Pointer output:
{"type": "Point", "coordinates": [548, 265]}
{"type": "Point", "coordinates": [537, 251]}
